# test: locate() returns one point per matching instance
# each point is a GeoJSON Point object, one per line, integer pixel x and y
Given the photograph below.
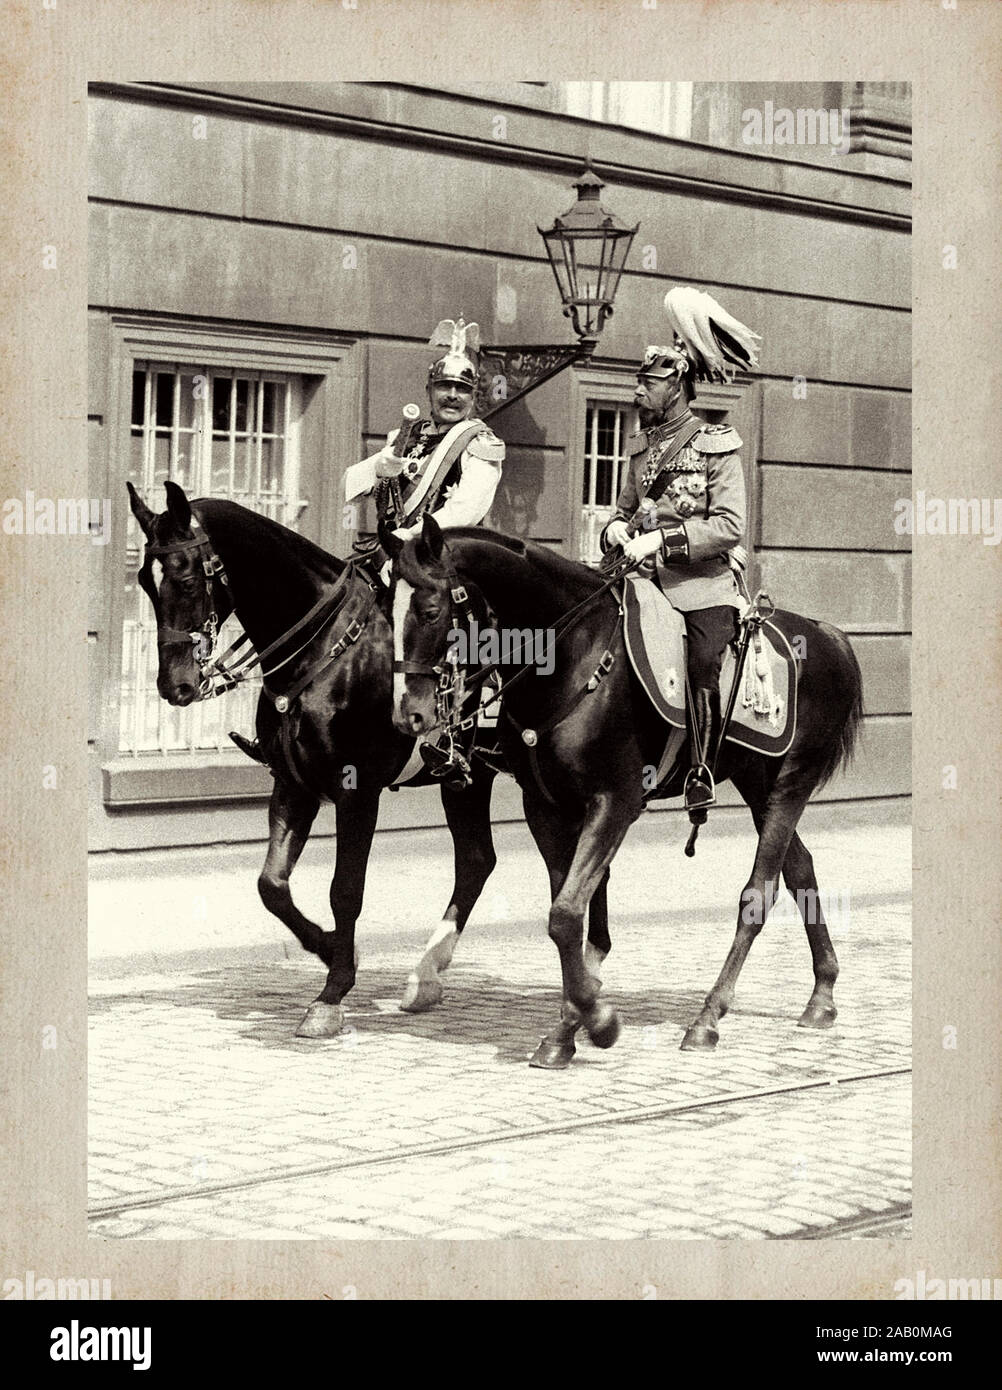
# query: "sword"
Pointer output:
{"type": "Point", "coordinates": [755, 616]}
{"type": "Point", "coordinates": [644, 518]}
{"type": "Point", "coordinates": [405, 438]}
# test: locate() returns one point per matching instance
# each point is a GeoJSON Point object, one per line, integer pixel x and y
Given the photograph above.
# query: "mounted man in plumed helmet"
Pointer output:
{"type": "Point", "coordinates": [447, 464]}
{"type": "Point", "coordinates": [682, 508]}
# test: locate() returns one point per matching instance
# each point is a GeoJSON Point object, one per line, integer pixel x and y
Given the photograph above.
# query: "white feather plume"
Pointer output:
{"type": "Point", "coordinates": [717, 343]}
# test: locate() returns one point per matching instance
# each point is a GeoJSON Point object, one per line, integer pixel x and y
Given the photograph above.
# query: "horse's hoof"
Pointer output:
{"type": "Point", "coordinates": [322, 1021]}
{"type": "Point", "coordinates": [818, 1016]}
{"type": "Point", "coordinates": [421, 995]}
{"type": "Point", "coordinates": [603, 1025]}
{"type": "Point", "coordinates": [700, 1038]}
{"type": "Point", "coordinates": [553, 1054]}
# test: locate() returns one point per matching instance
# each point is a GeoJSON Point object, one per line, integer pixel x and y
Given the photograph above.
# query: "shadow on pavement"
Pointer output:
{"type": "Point", "coordinates": [478, 1008]}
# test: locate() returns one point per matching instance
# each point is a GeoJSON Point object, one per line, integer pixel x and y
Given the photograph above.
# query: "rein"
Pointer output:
{"type": "Point", "coordinates": [454, 690]}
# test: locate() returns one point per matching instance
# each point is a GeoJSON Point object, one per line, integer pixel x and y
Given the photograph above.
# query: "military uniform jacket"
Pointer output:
{"type": "Point", "coordinates": [463, 497]}
{"type": "Point", "coordinates": [706, 494]}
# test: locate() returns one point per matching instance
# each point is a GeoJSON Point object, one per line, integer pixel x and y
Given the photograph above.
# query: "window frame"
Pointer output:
{"type": "Point", "coordinates": [329, 369]}
{"type": "Point", "coordinates": [199, 442]}
{"type": "Point", "coordinates": [612, 383]}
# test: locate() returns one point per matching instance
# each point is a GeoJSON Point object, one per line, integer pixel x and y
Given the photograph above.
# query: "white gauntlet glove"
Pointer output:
{"type": "Point", "coordinates": [647, 543]}
{"type": "Point", "coordinates": [617, 534]}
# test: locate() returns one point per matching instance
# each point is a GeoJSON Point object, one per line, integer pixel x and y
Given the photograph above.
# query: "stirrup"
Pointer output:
{"type": "Point", "coordinates": [699, 790]}
{"type": "Point", "coordinates": [249, 746]}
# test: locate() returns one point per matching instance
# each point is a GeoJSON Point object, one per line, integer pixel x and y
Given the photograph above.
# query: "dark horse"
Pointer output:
{"type": "Point", "coordinates": [586, 742]}
{"type": "Point", "coordinates": [337, 741]}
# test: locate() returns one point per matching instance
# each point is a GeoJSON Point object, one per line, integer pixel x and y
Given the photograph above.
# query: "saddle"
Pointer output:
{"type": "Point", "coordinates": [764, 718]}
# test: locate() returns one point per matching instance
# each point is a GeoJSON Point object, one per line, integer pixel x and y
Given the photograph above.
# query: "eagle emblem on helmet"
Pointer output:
{"type": "Point", "coordinates": [460, 362]}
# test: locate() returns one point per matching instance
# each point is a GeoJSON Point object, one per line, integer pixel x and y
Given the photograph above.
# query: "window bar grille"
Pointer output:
{"type": "Point", "coordinates": [593, 457]}
{"type": "Point", "coordinates": [140, 631]}
{"type": "Point", "coordinates": [617, 418]}
{"type": "Point", "coordinates": [198, 470]}
{"type": "Point", "coordinates": [294, 453]}
{"type": "Point", "coordinates": [255, 481]}
{"type": "Point", "coordinates": [286, 516]}
{"type": "Point", "coordinates": [175, 430]}
{"type": "Point", "coordinates": [150, 725]}
{"type": "Point", "coordinates": [232, 432]}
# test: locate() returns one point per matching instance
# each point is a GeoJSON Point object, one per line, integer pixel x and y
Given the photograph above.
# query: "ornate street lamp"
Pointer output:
{"type": "Point", "coordinates": [587, 248]}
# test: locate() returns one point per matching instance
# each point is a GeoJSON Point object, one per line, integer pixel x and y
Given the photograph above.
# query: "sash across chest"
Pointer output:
{"type": "Point", "coordinates": [656, 487]}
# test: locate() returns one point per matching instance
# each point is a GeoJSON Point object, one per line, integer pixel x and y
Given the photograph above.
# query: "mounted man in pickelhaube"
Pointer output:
{"type": "Point", "coordinates": [682, 508]}
{"type": "Point", "coordinates": [447, 464]}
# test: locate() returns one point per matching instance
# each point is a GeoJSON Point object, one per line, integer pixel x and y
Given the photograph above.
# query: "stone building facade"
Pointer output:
{"type": "Point", "coordinates": [267, 262]}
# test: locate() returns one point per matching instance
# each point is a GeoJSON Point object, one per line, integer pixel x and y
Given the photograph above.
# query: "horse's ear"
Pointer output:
{"type": "Point", "coordinates": [392, 544]}
{"type": "Point", "coordinates": [178, 505]}
{"type": "Point", "coordinates": [431, 535]}
{"type": "Point", "coordinates": [140, 511]}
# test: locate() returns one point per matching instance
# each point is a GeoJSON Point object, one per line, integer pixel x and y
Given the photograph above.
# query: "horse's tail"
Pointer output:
{"type": "Point", "coordinates": [843, 747]}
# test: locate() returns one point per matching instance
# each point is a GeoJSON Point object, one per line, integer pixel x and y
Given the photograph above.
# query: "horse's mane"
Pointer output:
{"type": "Point", "coordinates": [553, 565]}
{"type": "Point", "coordinates": [257, 527]}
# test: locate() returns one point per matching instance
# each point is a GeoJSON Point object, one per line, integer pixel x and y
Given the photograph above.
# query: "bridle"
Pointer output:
{"type": "Point", "coordinates": [226, 671]}
{"type": "Point", "coordinates": [202, 638]}
{"type": "Point", "coordinates": [450, 676]}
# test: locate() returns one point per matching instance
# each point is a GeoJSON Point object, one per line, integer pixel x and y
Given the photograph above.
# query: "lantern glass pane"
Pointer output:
{"type": "Point", "coordinates": [555, 249]}
{"type": "Point", "coordinates": [589, 258]}
{"type": "Point", "coordinates": [571, 261]}
{"type": "Point", "coordinates": [619, 250]}
{"type": "Point", "coordinates": [591, 277]}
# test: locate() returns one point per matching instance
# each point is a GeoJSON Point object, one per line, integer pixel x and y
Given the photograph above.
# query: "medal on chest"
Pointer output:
{"type": "Point", "coordinates": [686, 487]}
{"type": "Point", "coordinates": [659, 443]}
{"type": "Point", "coordinates": [420, 450]}
{"type": "Point", "coordinates": [652, 468]}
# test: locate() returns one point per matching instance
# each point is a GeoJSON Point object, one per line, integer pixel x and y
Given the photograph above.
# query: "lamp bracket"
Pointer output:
{"type": "Point", "coordinates": [509, 373]}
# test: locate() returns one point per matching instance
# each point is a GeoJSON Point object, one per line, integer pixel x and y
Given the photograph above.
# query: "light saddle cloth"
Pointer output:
{"type": "Point", "coordinates": [765, 710]}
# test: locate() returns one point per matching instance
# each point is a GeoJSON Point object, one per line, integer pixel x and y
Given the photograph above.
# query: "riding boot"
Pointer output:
{"type": "Point", "coordinates": [699, 791]}
{"type": "Point", "coordinates": [251, 747]}
{"type": "Point", "coordinates": [372, 559]}
{"type": "Point", "coordinates": [447, 763]}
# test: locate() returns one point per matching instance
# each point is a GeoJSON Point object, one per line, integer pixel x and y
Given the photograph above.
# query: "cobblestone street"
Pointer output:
{"type": "Point", "coordinates": [433, 1125]}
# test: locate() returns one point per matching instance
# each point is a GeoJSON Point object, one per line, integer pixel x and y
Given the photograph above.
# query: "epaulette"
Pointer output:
{"type": "Point", "coordinates": [717, 439]}
{"type": "Point", "coordinates": [487, 446]}
{"type": "Point", "coordinates": [636, 443]}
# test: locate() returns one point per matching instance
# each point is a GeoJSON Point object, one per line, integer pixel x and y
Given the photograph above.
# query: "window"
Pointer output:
{"type": "Point", "coordinates": [607, 426]}
{"type": "Point", "coordinates": [218, 432]}
{"type": "Point", "coordinates": [665, 108]}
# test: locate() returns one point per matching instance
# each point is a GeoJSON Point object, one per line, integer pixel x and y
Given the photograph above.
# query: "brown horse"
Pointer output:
{"type": "Point", "coordinates": [579, 741]}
